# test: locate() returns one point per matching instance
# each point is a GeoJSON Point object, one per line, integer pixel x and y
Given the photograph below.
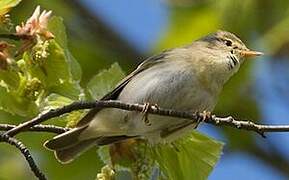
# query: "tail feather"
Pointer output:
{"type": "Point", "coordinates": [65, 140]}
{"type": "Point", "coordinates": [68, 146]}
{"type": "Point", "coordinates": [69, 154]}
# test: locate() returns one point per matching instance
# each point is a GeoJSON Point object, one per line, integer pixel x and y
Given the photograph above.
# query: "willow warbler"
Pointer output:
{"type": "Point", "coordinates": [187, 78]}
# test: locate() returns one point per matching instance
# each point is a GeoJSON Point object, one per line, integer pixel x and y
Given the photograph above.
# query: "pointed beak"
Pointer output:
{"type": "Point", "coordinates": [250, 53]}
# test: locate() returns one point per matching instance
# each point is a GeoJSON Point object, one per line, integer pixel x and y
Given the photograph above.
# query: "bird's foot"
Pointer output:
{"type": "Point", "coordinates": [145, 111]}
{"type": "Point", "coordinates": [205, 115]}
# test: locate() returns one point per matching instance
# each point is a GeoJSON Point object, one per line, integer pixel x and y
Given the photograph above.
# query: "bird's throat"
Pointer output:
{"type": "Point", "coordinates": [232, 62]}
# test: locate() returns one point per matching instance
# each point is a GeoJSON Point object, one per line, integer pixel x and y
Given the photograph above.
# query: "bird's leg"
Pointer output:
{"type": "Point", "coordinates": [205, 115]}
{"type": "Point", "coordinates": [145, 109]}
{"type": "Point", "coordinates": [145, 117]}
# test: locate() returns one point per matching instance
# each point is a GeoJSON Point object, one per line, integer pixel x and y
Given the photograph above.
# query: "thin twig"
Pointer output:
{"type": "Point", "coordinates": [15, 37]}
{"type": "Point", "coordinates": [19, 145]}
{"type": "Point", "coordinates": [37, 128]}
{"type": "Point", "coordinates": [246, 125]}
{"type": "Point", "coordinates": [34, 124]}
{"type": "Point", "coordinates": [195, 117]}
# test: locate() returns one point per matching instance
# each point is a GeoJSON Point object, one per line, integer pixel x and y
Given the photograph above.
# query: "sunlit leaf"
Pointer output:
{"type": "Point", "coordinates": [105, 81]}
{"type": "Point", "coordinates": [10, 78]}
{"type": "Point", "coordinates": [13, 103]}
{"type": "Point", "coordinates": [19, 93]}
{"type": "Point", "coordinates": [74, 66]}
{"type": "Point", "coordinates": [56, 101]}
{"type": "Point", "coordinates": [55, 73]}
{"type": "Point", "coordinates": [193, 157]}
{"type": "Point", "coordinates": [6, 5]}
{"type": "Point", "coordinates": [58, 29]}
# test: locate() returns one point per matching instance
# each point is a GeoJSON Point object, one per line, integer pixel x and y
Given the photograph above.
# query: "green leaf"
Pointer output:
{"type": "Point", "coordinates": [6, 5]}
{"type": "Point", "coordinates": [13, 103]}
{"type": "Point", "coordinates": [19, 93]}
{"type": "Point", "coordinates": [105, 81]}
{"type": "Point", "coordinates": [193, 157]}
{"type": "Point", "coordinates": [74, 66]}
{"type": "Point", "coordinates": [58, 29]}
{"type": "Point", "coordinates": [10, 77]}
{"type": "Point", "coordinates": [55, 72]}
{"type": "Point", "coordinates": [60, 73]}
{"type": "Point", "coordinates": [55, 101]}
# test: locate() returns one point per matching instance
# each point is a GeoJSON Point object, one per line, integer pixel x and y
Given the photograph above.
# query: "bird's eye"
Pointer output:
{"type": "Point", "coordinates": [228, 43]}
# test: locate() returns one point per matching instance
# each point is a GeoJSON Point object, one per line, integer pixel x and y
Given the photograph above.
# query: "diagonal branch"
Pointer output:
{"type": "Point", "coordinates": [37, 128]}
{"type": "Point", "coordinates": [194, 117]}
{"type": "Point", "coordinates": [19, 145]}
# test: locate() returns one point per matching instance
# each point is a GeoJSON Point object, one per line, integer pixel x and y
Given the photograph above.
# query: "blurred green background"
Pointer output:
{"type": "Point", "coordinates": [126, 31]}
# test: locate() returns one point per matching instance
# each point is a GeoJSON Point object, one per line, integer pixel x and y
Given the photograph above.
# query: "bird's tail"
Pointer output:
{"type": "Point", "coordinates": [67, 146]}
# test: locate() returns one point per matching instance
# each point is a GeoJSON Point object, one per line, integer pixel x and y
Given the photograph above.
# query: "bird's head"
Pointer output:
{"type": "Point", "coordinates": [219, 57]}
{"type": "Point", "coordinates": [230, 46]}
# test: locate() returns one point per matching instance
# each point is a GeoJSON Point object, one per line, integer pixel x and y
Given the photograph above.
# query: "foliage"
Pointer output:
{"type": "Point", "coordinates": [6, 5]}
{"type": "Point", "coordinates": [105, 81]}
{"type": "Point", "coordinates": [192, 157]}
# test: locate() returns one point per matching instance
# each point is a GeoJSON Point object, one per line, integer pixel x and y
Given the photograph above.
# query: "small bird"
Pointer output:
{"type": "Point", "coordinates": [187, 78]}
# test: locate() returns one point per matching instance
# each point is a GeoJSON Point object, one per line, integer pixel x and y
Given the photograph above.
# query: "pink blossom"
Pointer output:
{"type": "Point", "coordinates": [36, 24]}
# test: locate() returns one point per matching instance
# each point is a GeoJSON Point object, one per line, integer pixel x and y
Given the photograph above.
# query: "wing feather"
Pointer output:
{"type": "Point", "coordinates": [113, 95]}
